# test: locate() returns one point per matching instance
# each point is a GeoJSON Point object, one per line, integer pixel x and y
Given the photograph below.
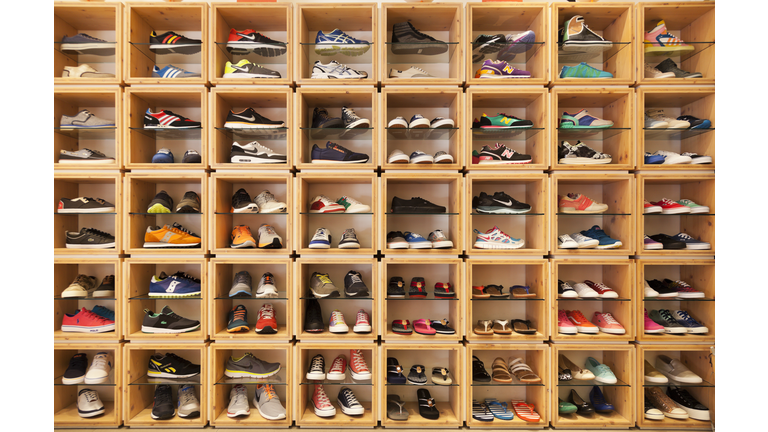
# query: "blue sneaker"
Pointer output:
{"type": "Point", "coordinates": [419, 122]}
{"type": "Point", "coordinates": [416, 241]}
{"type": "Point", "coordinates": [419, 157]}
{"type": "Point", "coordinates": [163, 156]}
{"type": "Point", "coordinates": [685, 320]}
{"type": "Point", "coordinates": [691, 243]}
{"type": "Point", "coordinates": [598, 234]}
{"type": "Point", "coordinates": [172, 71]}
{"type": "Point", "coordinates": [321, 240]}
{"type": "Point", "coordinates": [603, 373]}
{"type": "Point", "coordinates": [598, 401]}
{"type": "Point", "coordinates": [337, 41]}
{"type": "Point", "coordinates": [177, 285]}
{"type": "Point", "coordinates": [109, 314]}
{"type": "Point", "coordinates": [335, 153]}
{"type": "Point", "coordinates": [583, 70]}
{"type": "Point", "coordinates": [321, 119]}
{"type": "Point", "coordinates": [654, 159]}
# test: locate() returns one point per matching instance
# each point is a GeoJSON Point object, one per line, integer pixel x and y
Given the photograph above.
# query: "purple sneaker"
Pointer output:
{"type": "Point", "coordinates": [651, 244]}
{"type": "Point", "coordinates": [500, 69]}
{"type": "Point", "coordinates": [517, 43]}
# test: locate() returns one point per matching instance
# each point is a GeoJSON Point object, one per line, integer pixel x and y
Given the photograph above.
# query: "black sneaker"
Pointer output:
{"type": "Point", "coordinates": [191, 156]}
{"type": "Point", "coordinates": [441, 327]}
{"type": "Point", "coordinates": [313, 322]}
{"type": "Point", "coordinates": [163, 408]}
{"type": "Point", "coordinates": [321, 119]}
{"type": "Point", "coordinates": [396, 240]}
{"type": "Point", "coordinates": [668, 242]}
{"type": "Point", "coordinates": [75, 373]}
{"type": "Point", "coordinates": [487, 44]}
{"type": "Point", "coordinates": [163, 203]}
{"type": "Point", "coordinates": [171, 366]}
{"type": "Point", "coordinates": [89, 238]}
{"type": "Point", "coordinates": [580, 154]}
{"type": "Point", "coordinates": [670, 66]}
{"type": "Point", "coordinates": [245, 41]}
{"type": "Point", "coordinates": [348, 402]}
{"type": "Point", "coordinates": [575, 34]}
{"type": "Point", "coordinates": [479, 373]}
{"type": "Point", "coordinates": [415, 205]}
{"type": "Point", "coordinates": [663, 289]}
{"type": "Point", "coordinates": [167, 322]}
{"type": "Point", "coordinates": [407, 40]}
{"type": "Point", "coordinates": [354, 285]}
{"type": "Point", "coordinates": [107, 287]}
{"type": "Point", "coordinates": [85, 205]}
{"type": "Point", "coordinates": [166, 119]}
{"type": "Point", "coordinates": [418, 288]}
{"type": "Point", "coordinates": [349, 240]}
{"type": "Point", "coordinates": [250, 119]}
{"type": "Point", "coordinates": [500, 154]}
{"type": "Point", "coordinates": [566, 290]}
{"type": "Point", "coordinates": [396, 287]}
{"type": "Point", "coordinates": [500, 203]}
{"type": "Point", "coordinates": [696, 410]}
{"type": "Point", "coordinates": [170, 42]}
{"type": "Point", "coordinates": [242, 203]}
{"type": "Point", "coordinates": [189, 204]}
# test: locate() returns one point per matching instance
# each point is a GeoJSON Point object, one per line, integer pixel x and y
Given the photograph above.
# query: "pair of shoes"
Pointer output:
{"type": "Point", "coordinates": [422, 326]}
{"type": "Point", "coordinates": [497, 291]}
{"type": "Point", "coordinates": [171, 42]}
{"type": "Point", "coordinates": [418, 289]}
{"type": "Point", "coordinates": [321, 119]}
{"type": "Point", "coordinates": [677, 404]}
{"type": "Point", "coordinates": [177, 285]}
{"type": "Point", "coordinates": [587, 289]}
{"type": "Point", "coordinates": [265, 400]}
{"type": "Point", "coordinates": [411, 240]}
{"type": "Point", "coordinates": [241, 237]}
{"type": "Point", "coordinates": [419, 157]}
{"type": "Point", "coordinates": [167, 322]}
{"type": "Point", "coordinates": [165, 155]}
{"type": "Point", "coordinates": [88, 321]}
{"type": "Point", "coordinates": [314, 321]}
{"type": "Point", "coordinates": [97, 373]}
{"type": "Point", "coordinates": [572, 322]}
{"type": "Point", "coordinates": [163, 407]}
{"type": "Point", "coordinates": [345, 204]}
{"type": "Point", "coordinates": [499, 154]}
{"type": "Point", "coordinates": [264, 202]}
{"type": "Point", "coordinates": [592, 238]}
{"type": "Point", "coordinates": [163, 203]}
{"type": "Point", "coordinates": [680, 241]}
{"type": "Point", "coordinates": [84, 286]}
{"type": "Point", "coordinates": [322, 239]}
{"type": "Point", "coordinates": [677, 322]}
{"type": "Point", "coordinates": [665, 157]}
{"type": "Point", "coordinates": [242, 284]}
{"type": "Point", "coordinates": [321, 285]}
{"type": "Point", "coordinates": [502, 327]}
{"type": "Point", "coordinates": [580, 153]}
{"type": "Point", "coordinates": [420, 122]}
{"type": "Point", "coordinates": [500, 69]}
{"type": "Point", "coordinates": [89, 238]}
{"type": "Point", "coordinates": [495, 238]}
{"type": "Point", "coordinates": [237, 320]}
{"type": "Point", "coordinates": [253, 152]}
{"type": "Point", "coordinates": [346, 399]}
{"type": "Point", "coordinates": [668, 206]}
{"type": "Point", "coordinates": [358, 367]}
{"type": "Point", "coordinates": [498, 203]}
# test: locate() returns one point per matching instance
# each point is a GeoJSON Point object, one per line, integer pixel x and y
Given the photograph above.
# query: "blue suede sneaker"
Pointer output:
{"type": "Point", "coordinates": [416, 241]}
{"type": "Point", "coordinates": [598, 401]}
{"type": "Point", "coordinates": [321, 119]}
{"type": "Point", "coordinates": [177, 285]}
{"type": "Point", "coordinates": [583, 70]}
{"type": "Point", "coordinates": [172, 71]}
{"type": "Point", "coordinates": [654, 159]}
{"type": "Point", "coordinates": [163, 156]}
{"type": "Point", "coordinates": [335, 153]}
{"type": "Point", "coordinates": [598, 234]}
{"type": "Point", "coordinates": [691, 243]}
{"type": "Point", "coordinates": [109, 314]}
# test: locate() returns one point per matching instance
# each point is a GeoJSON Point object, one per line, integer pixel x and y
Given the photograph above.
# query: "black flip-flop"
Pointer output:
{"type": "Point", "coordinates": [427, 407]}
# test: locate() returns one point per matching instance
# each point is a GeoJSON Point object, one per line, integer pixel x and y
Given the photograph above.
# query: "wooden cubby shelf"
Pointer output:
{"type": "Point", "coordinates": [100, 20]}
{"type": "Point", "coordinates": [186, 19]}
{"type": "Point", "coordinates": [506, 19]}
{"type": "Point", "coordinates": [274, 21]}
{"type": "Point", "coordinates": [614, 22]}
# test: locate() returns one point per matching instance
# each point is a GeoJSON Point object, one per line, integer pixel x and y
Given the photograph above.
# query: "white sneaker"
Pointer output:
{"type": "Point", "coordinates": [397, 156]}
{"type": "Point", "coordinates": [441, 122]}
{"type": "Point", "coordinates": [496, 239]}
{"type": "Point", "coordinates": [651, 123]}
{"type": "Point", "coordinates": [585, 242]}
{"type": "Point", "coordinates": [89, 404]}
{"type": "Point", "coordinates": [583, 290]}
{"type": "Point", "coordinates": [649, 292]}
{"type": "Point", "coordinates": [188, 404]}
{"type": "Point", "coordinates": [566, 242]}
{"type": "Point", "coordinates": [238, 402]}
{"type": "Point", "coordinates": [266, 288]}
{"type": "Point", "coordinates": [419, 157]}
{"type": "Point", "coordinates": [268, 238]}
{"type": "Point", "coordinates": [439, 240]}
{"type": "Point", "coordinates": [99, 370]}
{"type": "Point", "coordinates": [354, 206]}
{"type": "Point", "coordinates": [652, 72]}
{"type": "Point", "coordinates": [268, 204]}
{"type": "Point", "coordinates": [672, 158]}
{"type": "Point", "coordinates": [336, 70]}
{"type": "Point", "coordinates": [323, 204]}
{"type": "Point", "coordinates": [418, 121]}
{"type": "Point", "coordinates": [443, 157]}
{"type": "Point", "coordinates": [659, 116]}
{"type": "Point", "coordinates": [412, 72]}
{"type": "Point", "coordinates": [255, 153]}
{"type": "Point", "coordinates": [321, 239]}
{"type": "Point", "coordinates": [398, 123]}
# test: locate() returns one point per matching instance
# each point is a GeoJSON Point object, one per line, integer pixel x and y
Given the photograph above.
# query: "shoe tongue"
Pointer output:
{"type": "Point", "coordinates": [166, 310]}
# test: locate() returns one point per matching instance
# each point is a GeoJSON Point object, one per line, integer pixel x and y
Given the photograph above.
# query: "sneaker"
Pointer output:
{"type": "Point", "coordinates": [578, 203]}
{"type": "Point", "coordinates": [682, 317]}
{"type": "Point", "coordinates": [416, 241]}
{"type": "Point", "coordinates": [248, 366]}
{"type": "Point", "coordinates": [89, 404]}
{"type": "Point", "coordinates": [684, 400]}
{"type": "Point", "coordinates": [237, 319]}
{"type": "Point", "coordinates": [316, 370]}
{"type": "Point", "coordinates": [516, 43]}
{"type": "Point", "coordinates": [170, 42]}
{"type": "Point", "coordinates": [692, 243]}
{"type": "Point", "coordinates": [336, 323]}
{"type": "Point", "coordinates": [323, 204]}
{"type": "Point", "coordinates": [564, 324]}
{"type": "Point", "coordinates": [397, 156]}
{"type": "Point", "coordinates": [335, 153]}
{"type": "Point", "coordinates": [255, 153]}
{"type": "Point", "coordinates": [672, 158]}
{"type": "Point", "coordinates": [75, 373]}
{"type": "Point", "coordinates": [396, 240]}
{"type": "Point", "coordinates": [177, 285]}
{"type": "Point", "coordinates": [322, 120]}
{"type": "Point", "coordinates": [652, 159]}
{"type": "Point", "coordinates": [101, 366]}
{"type": "Point", "coordinates": [411, 72]}
{"type": "Point", "coordinates": [439, 240]}
{"type": "Point", "coordinates": [106, 288]}
{"type": "Point", "coordinates": [322, 286]}
{"type": "Point", "coordinates": [503, 121]}
{"type": "Point", "coordinates": [407, 40]}
{"type": "Point", "coordinates": [321, 404]}
{"type": "Point", "coordinates": [664, 404]}
{"type": "Point", "coordinates": [162, 203]}
{"type": "Point", "coordinates": [500, 203]}
{"type": "Point", "coordinates": [418, 288]}
{"type": "Point", "coordinates": [89, 238]}
{"type": "Point", "coordinates": [266, 323]}
{"type": "Point", "coordinates": [83, 42]}
{"type": "Point", "coordinates": [697, 158]}
{"type": "Point", "coordinates": [238, 402]}
{"type": "Point", "coordinates": [649, 292]}
{"type": "Point", "coordinates": [495, 238]}
{"type": "Point", "coordinates": [352, 120]}
{"type": "Point", "coordinates": [362, 322]}
{"type": "Point", "coordinates": [670, 66]}
{"type": "Point", "coordinates": [695, 122]}
{"type": "Point", "coordinates": [500, 154]}
{"type": "Point", "coordinates": [327, 44]}
{"type": "Point", "coordinates": [266, 288]}
{"type": "Point", "coordinates": [84, 120]}
{"type": "Point", "coordinates": [584, 290]}
{"type": "Point", "coordinates": [418, 121]}
{"type": "Point", "coordinates": [663, 318]}
{"type": "Point", "coordinates": [81, 287]}
{"type": "Point", "coordinates": [354, 285]}
{"type": "Point", "coordinates": [443, 157]}
{"type": "Point", "coordinates": [321, 239]}
{"type": "Point", "coordinates": [313, 322]}
{"type": "Point", "coordinates": [190, 203]}
{"type": "Point", "coordinates": [419, 157]}
{"type": "Point", "coordinates": [171, 366]}
{"type": "Point", "coordinates": [189, 406]}
{"type": "Point", "coordinates": [250, 119]}
{"type": "Point", "coordinates": [651, 244]}
{"type": "Point", "coordinates": [581, 154]}
{"type": "Point", "coordinates": [84, 71]}
{"type": "Point", "coordinates": [242, 237]}
{"type": "Point", "coordinates": [649, 208]}
{"type": "Point", "coordinates": [348, 402]}
{"type": "Point", "coordinates": [583, 70]}
{"type": "Point", "coordinates": [415, 205]}
{"type": "Point", "coordinates": [268, 238]}
{"type": "Point", "coordinates": [575, 35]}
{"type": "Point", "coordinates": [167, 322]}
{"type": "Point", "coordinates": [398, 123]}
{"type": "Point", "coordinates": [244, 41]}
{"type": "Point", "coordinates": [671, 207]}
{"type": "Point", "coordinates": [396, 287]}
{"type": "Point", "coordinates": [268, 403]}
{"type": "Point", "coordinates": [191, 156]}
{"type": "Point", "coordinates": [267, 203]}
{"type": "Point", "coordinates": [241, 203]}
{"type": "Point", "coordinates": [651, 413]}
{"type": "Point", "coordinates": [565, 290]}
{"type": "Point", "coordinates": [653, 72]}
{"type": "Point", "coordinates": [584, 242]}
{"type": "Point", "coordinates": [607, 323]}
{"type": "Point", "coordinates": [650, 326]}
{"type": "Point", "coordinates": [84, 156]}
{"type": "Point", "coordinates": [583, 120]}
{"type": "Point", "coordinates": [500, 69]}
{"type": "Point", "coordinates": [352, 205]}
{"type": "Point", "coordinates": [684, 291]}
{"type": "Point", "coordinates": [336, 70]}
{"type": "Point", "coordinates": [660, 40]}
{"type": "Point", "coordinates": [172, 71]}
{"type": "Point", "coordinates": [486, 44]}
{"type": "Point", "coordinates": [668, 242]}
{"type": "Point", "coordinates": [166, 119]}
{"type": "Point", "coordinates": [604, 241]}
{"type": "Point", "coordinates": [246, 69]}
{"type": "Point", "coordinates": [676, 371]}
{"type": "Point", "coordinates": [338, 370]}
{"type": "Point", "coordinates": [602, 290]}
{"type": "Point", "coordinates": [664, 290]}
{"type": "Point", "coordinates": [603, 373]}
{"type": "Point", "coordinates": [655, 119]}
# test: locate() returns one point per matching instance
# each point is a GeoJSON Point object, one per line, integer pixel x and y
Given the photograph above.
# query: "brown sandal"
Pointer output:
{"type": "Point", "coordinates": [523, 327]}
{"type": "Point", "coordinates": [520, 291]}
{"type": "Point", "coordinates": [522, 371]}
{"type": "Point", "coordinates": [495, 291]}
{"type": "Point", "coordinates": [501, 327]}
{"type": "Point", "coordinates": [499, 371]}
{"type": "Point", "coordinates": [484, 327]}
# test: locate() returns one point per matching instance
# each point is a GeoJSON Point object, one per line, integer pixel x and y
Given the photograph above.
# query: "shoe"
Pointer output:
{"type": "Point", "coordinates": [418, 122]}
{"type": "Point", "coordinates": [691, 243]}
{"type": "Point", "coordinates": [266, 323]}
{"type": "Point", "coordinates": [584, 290]}
{"type": "Point", "coordinates": [598, 234]}
{"type": "Point", "coordinates": [503, 121]}
{"type": "Point", "coordinates": [349, 240]}
{"type": "Point", "coordinates": [441, 327]}
{"type": "Point", "coordinates": [566, 242]}
{"type": "Point", "coordinates": [402, 327]}
{"type": "Point", "coordinates": [352, 120]}
{"type": "Point", "coordinates": [322, 120]}
{"type": "Point", "coordinates": [695, 122]}
{"type": "Point", "coordinates": [104, 312]}
{"type": "Point", "coordinates": [358, 368]}
{"type": "Point", "coordinates": [84, 120]}
{"type": "Point", "coordinates": [237, 319]}
{"type": "Point", "coordinates": [415, 205]}
{"type": "Point", "coordinates": [89, 238]}
{"type": "Point", "coordinates": [584, 242]}
{"type": "Point", "coordinates": [162, 203]}
{"type": "Point", "coordinates": [565, 290]}
{"type": "Point", "coordinates": [166, 119]}
{"type": "Point", "coordinates": [500, 203]}
{"type": "Point", "coordinates": [583, 70]}
{"type": "Point", "coordinates": [417, 376]}
{"type": "Point", "coordinates": [171, 366]}
{"type": "Point", "coordinates": [411, 72]}
{"type": "Point", "coordinates": [84, 71]}
{"type": "Point", "coordinates": [649, 292]}
{"type": "Point", "coordinates": [190, 203]}
{"type": "Point", "coordinates": [500, 69]}
{"type": "Point", "coordinates": [245, 69]}
{"type": "Point", "coordinates": [486, 44]}
{"type": "Point", "coordinates": [267, 203]}
{"type": "Point", "coordinates": [495, 238]}
{"type": "Point", "coordinates": [238, 402]}
{"type": "Point", "coordinates": [336, 70]}
{"type": "Point", "coordinates": [607, 323]}
{"type": "Point", "coordinates": [580, 321]}
{"type": "Point", "coordinates": [583, 407]}
{"type": "Point", "coordinates": [663, 318]}
{"type": "Point", "coordinates": [348, 402]}
{"type": "Point", "coordinates": [244, 41]}
{"type": "Point", "coordinates": [316, 370]}
{"type": "Point", "coordinates": [362, 322]}
{"type": "Point", "coordinates": [85, 321]}
{"type": "Point", "coordinates": [336, 323]}
{"type": "Point", "coordinates": [576, 36]}
{"type": "Point", "coordinates": [84, 156]}
{"type": "Point", "coordinates": [82, 42]}
{"type": "Point", "coordinates": [407, 40]}
{"type": "Point", "coordinates": [321, 286]}
{"type": "Point", "coordinates": [248, 366]}
{"type": "Point", "coordinates": [653, 159]}
{"type": "Point", "coordinates": [602, 290]}
{"type": "Point", "coordinates": [659, 39]}
{"type": "Point", "coordinates": [354, 285]}
{"type": "Point", "coordinates": [313, 322]}
{"type": "Point", "coordinates": [177, 285]}
{"type": "Point", "coordinates": [396, 287]}
{"type": "Point", "coordinates": [250, 119]}
{"type": "Point", "coordinates": [101, 366]}
{"type": "Point", "coordinates": [684, 400]}
{"type": "Point", "coordinates": [598, 401]}
{"type": "Point", "coordinates": [581, 154]}
{"type": "Point", "coordinates": [439, 240]}
{"type": "Point", "coordinates": [500, 154]}
{"type": "Point", "coordinates": [321, 239]}
{"type": "Point", "coordinates": [335, 153]}
{"type": "Point", "coordinates": [670, 66]}
{"type": "Point", "coordinates": [191, 156]}
{"type": "Point", "coordinates": [418, 288]}
{"type": "Point", "coordinates": [564, 407]}
{"type": "Point", "coordinates": [578, 373]}
{"type": "Point", "coordinates": [255, 153]}
{"type": "Point", "coordinates": [241, 203]}
{"type": "Point", "coordinates": [653, 72]}
{"type": "Point", "coordinates": [323, 204]}
{"type": "Point", "coordinates": [399, 123]}
{"type": "Point", "coordinates": [578, 203]}
{"type": "Point", "coordinates": [75, 373]}
{"type": "Point", "coordinates": [516, 43]}
{"type": "Point", "coordinates": [338, 370]}
{"type": "Point", "coordinates": [695, 208]}
{"type": "Point", "coordinates": [82, 287]}
{"type": "Point", "coordinates": [690, 324]}
{"type": "Point", "coordinates": [602, 372]}
{"type": "Point", "coordinates": [672, 158]}
{"type": "Point", "coordinates": [167, 322]}
{"type": "Point", "coordinates": [189, 406]}
{"type": "Point", "coordinates": [163, 407]}
{"type": "Point", "coordinates": [416, 241]}
{"type": "Point", "coordinates": [321, 404]}
{"type": "Point", "coordinates": [655, 118]}
{"type": "Point", "coordinates": [649, 208]}
{"type": "Point", "coordinates": [479, 374]}
{"type": "Point", "coordinates": [668, 242]}
{"type": "Point", "coordinates": [684, 291]}
{"type": "Point", "coordinates": [268, 403]}
{"type": "Point", "coordinates": [652, 375]}
{"type": "Point", "coordinates": [172, 71]}
{"type": "Point", "coordinates": [419, 157]}
{"type": "Point", "coordinates": [170, 42]}
{"type": "Point", "coordinates": [397, 156]}
{"type": "Point", "coordinates": [663, 403]}
{"type": "Point", "coordinates": [327, 44]}
{"type": "Point", "coordinates": [564, 324]}
{"type": "Point", "coordinates": [352, 205]}
{"type": "Point", "coordinates": [268, 238]}
{"type": "Point", "coordinates": [396, 240]}
{"type": "Point", "coordinates": [583, 120]}
{"type": "Point", "coordinates": [242, 237]}
{"type": "Point", "coordinates": [651, 413]}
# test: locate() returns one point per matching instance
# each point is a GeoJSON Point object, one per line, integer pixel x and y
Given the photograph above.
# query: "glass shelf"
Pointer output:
{"type": "Point", "coordinates": [341, 57]}
{"type": "Point", "coordinates": [335, 298]}
{"type": "Point", "coordinates": [148, 380]}
{"type": "Point", "coordinates": [508, 299]}
{"type": "Point", "coordinates": [264, 134]}
{"type": "Point", "coordinates": [519, 134]}
{"type": "Point", "coordinates": [339, 134]}
{"type": "Point", "coordinates": [673, 134]}
{"type": "Point", "coordinates": [236, 54]}
{"type": "Point", "coordinates": [507, 214]}
{"type": "Point", "coordinates": [512, 384]}
{"type": "Point", "coordinates": [334, 214]}
{"type": "Point", "coordinates": [249, 214]}
{"type": "Point", "coordinates": [532, 49]}
{"type": "Point", "coordinates": [417, 134]}
{"type": "Point", "coordinates": [594, 214]}
{"type": "Point", "coordinates": [677, 299]}
{"type": "Point", "coordinates": [430, 296]}
{"type": "Point", "coordinates": [274, 380]}
{"type": "Point", "coordinates": [592, 134]}
{"type": "Point", "coordinates": [160, 133]}
{"type": "Point", "coordinates": [86, 298]}
{"type": "Point", "coordinates": [416, 58]}
{"type": "Point", "coordinates": [281, 295]}
{"type": "Point", "coordinates": [574, 55]}
{"type": "Point", "coordinates": [422, 214]}
{"type": "Point", "coordinates": [590, 383]}
{"type": "Point", "coordinates": [84, 214]}
{"type": "Point", "coordinates": [171, 50]}
{"type": "Point", "coordinates": [165, 214]}
{"type": "Point", "coordinates": [147, 297]}
{"type": "Point", "coordinates": [428, 384]}
{"type": "Point", "coordinates": [88, 133]}
{"type": "Point", "coordinates": [110, 382]}
{"type": "Point", "coordinates": [679, 384]}
{"type": "Point", "coordinates": [680, 214]}
{"type": "Point", "coordinates": [660, 53]}
{"type": "Point", "coordinates": [346, 381]}
{"type": "Point", "coordinates": [593, 299]}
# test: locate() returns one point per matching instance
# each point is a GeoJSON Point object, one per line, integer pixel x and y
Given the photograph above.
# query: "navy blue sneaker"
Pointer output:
{"type": "Point", "coordinates": [109, 314]}
{"type": "Point", "coordinates": [692, 243]}
{"type": "Point", "coordinates": [163, 156]}
{"type": "Point", "coordinates": [335, 153]}
{"type": "Point", "coordinates": [177, 285]}
{"type": "Point", "coordinates": [653, 159]}
{"type": "Point", "coordinates": [337, 41]}
{"type": "Point", "coordinates": [598, 234]}
{"type": "Point", "coordinates": [321, 119]}
{"type": "Point", "coordinates": [598, 401]}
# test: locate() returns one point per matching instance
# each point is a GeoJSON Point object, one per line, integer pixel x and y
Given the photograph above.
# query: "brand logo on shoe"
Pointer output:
{"type": "Point", "coordinates": [172, 286]}
{"type": "Point", "coordinates": [250, 37]}
{"type": "Point", "coordinates": [508, 203]}
{"type": "Point", "coordinates": [508, 153]}
{"type": "Point", "coordinates": [251, 118]}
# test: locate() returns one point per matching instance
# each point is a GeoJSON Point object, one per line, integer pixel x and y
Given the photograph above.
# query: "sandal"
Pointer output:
{"type": "Point", "coordinates": [394, 371]}
{"type": "Point", "coordinates": [499, 409]}
{"type": "Point", "coordinates": [501, 327]}
{"type": "Point", "coordinates": [401, 327]}
{"type": "Point", "coordinates": [499, 371]}
{"type": "Point", "coordinates": [484, 327]}
{"type": "Point", "coordinates": [481, 412]}
{"type": "Point", "coordinates": [441, 376]}
{"type": "Point", "coordinates": [523, 326]}
{"type": "Point", "coordinates": [396, 408]}
{"type": "Point", "coordinates": [494, 291]}
{"type": "Point", "coordinates": [427, 407]}
{"type": "Point", "coordinates": [525, 411]}
{"type": "Point", "coordinates": [478, 291]}
{"type": "Point", "coordinates": [520, 291]}
{"type": "Point", "coordinates": [424, 327]}
{"type": "Point", "coordinates": [522, 371]}
{"type": "Point", "coordinates": [417, 376]}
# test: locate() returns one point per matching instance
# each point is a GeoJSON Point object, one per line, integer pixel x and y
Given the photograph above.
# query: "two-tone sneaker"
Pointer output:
{"type": "Point", "coordinates": [237, 319]}
{"type": "Point", "coordinates": [166, 119]}
{"type": "Point", "coordinates": [245, 41]}
{"type": "Point", "coordinates": [352, 205]}
{"type": "Point", "coordinates": [336, 41]}
{"type": "Point", "coordinates": [575, 35]}
{"type": "Point", "coordinates": [691, 243]}
{"type": "Point", "coordinates": [266, 287]}
{"type": "Point", "coordinates": [580, 153]}
{"type": "Point", "coordinates": [503, 121]}
{"type": "Point", "coordinates": [84, 205]}
{"type": "Point", "coordinates": [267, 203]}
{"type": "Point", "coordinates": [172, 71]}
{"type": "Point", "coordinates": [362, 322]}
{"type": "Point", "coordinates": [416, 241]}
{"type": "Point", "coordinates": [697, 158]}
{"type": "Point", "coordinates": [607, 323]}
{"type": "Point", "coordinates": [84, 156]}
{"type": "Point", "coordinates": [689, 323]}
{"type": "Point", "coordinates": [349, 240]}
{"type": "Point", "coordinates": [655, 119]}
{"type": "Point", "coordinates": [321, 239]}
{"type": "Point", "coordinates": [323, 204]}
{"type": "Point", "coordinates": [500, 69]}
{"type": "Point", "coordinates": [585, 242]}
{"type": "Point", "coordinates": [335, 70]}
{"type": "Point", "coordinates": [348, 402]}
{"type": "Point", "coordinates": [669, 65]}
{"type": "Point", "coordinates": [649, 208]}
{"type": "Point", "coordinates": [164, 155]}
{"type": "Point", "coordinates": [495, 238]}
{"type": "Point", "coordinates": [238, 402]}
{"type": "Point", "coordinates": [268, 237]}
{"type": "Point", "coordinates": [579, 204]}
{"type": "Point", "coordinates": [249, 366]}
{"type": "Point", "coordinates": [486, 44]}
{"type": "Point", "coordinates": [267, 402]}
{"type": "Point", "coordinates": [336, 154]}
{"type": "Point", "coordinates": [248, 118]}
{"type": "Point", "coordinates": [247, 69]}
{"type": "Point", "coordinates": [500, 203]}
{"type": "Point", "coordinates": [266, 322]}
{"type": "Point", "coordinates": [660, 40]}
{"type": "Point", "coordinates": [583, 70]}
{"type": "Point", "coordinates": [84, 120]}
{"type": "Point", "coordinates": [254, 152]}
{"type": "Point", "coordinates": [672, 158]}
{"type": "Point", "coordinates": [89, 238]}
{"type": "Point", "coordinates": [336, 323]}
{"type": "Point", "coordinates": [176, 285]}
{"type": "Point", "coordinates": [354, 285]}
{"type": "Point", "coordinates": [604, 241]}
{"type": "Point", "coordinates": [171, 42]}
{"type": "Point", "coordinates": [566, 242]}
{"type": "Point", "coordinates": [651, 244]}
{"type": "Point", "coordinates": [500, 154]}
{"type": "Point", "coordinates": [583, 120]}
{"type": "Point", "coordinates": [167, 322]}
{"type": "Point", "coordinates": [650, 326]}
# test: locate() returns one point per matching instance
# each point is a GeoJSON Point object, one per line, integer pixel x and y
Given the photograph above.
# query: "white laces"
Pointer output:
{"type": "Point", "coordinates": [358, 361]}
{"type": "Point", "coordinates": [685, 236]}
{"type": "Point", "coordinates": [91, 396]}
{"type": "Point", "coordinates": [322, 398]}
{"type": "Point", "coordinates": [351, 200]}
{"type": "Point", "coordinates": [338, 364]}
{"type": "Point", "coordinates": [362, 316]}
{"type": "Point", "coordinates": [681, 283]}
{"type": "Point", "coordinates": [317, 363]}
{"type": "Point", "coordinates": [337, 316]}
{"type": "Point", "coordinates": [267, 311]}
{"type": "Point", "coordinates": [609, 318]}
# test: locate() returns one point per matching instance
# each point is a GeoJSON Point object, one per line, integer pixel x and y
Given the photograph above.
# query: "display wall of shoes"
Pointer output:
{"type": "Point", "coordinates": [337, 128]}
{"type": "Point", "coordinates": [162, 121]}
{"type": "Point", "coordinates": [166, 386]}
{"type": "Point", "coordinates": [87, 213]}
{"type": "Point", "coordinates": [678, 128]}
{"type": "Point", "coordinates": [335, 41]}
{"type": "Point", "coordinates": [251, 386]}
{"type": "Point", "coordinates": [678, 43]}
{"type": "Point", "coordinates": [508, 386]}
{"type": "Point", "coordinates": [421, 129]}
{"type": "Point", "coordinates": [507, 44]}
{"type": "Point", "coordinates": [594, 43]}
{"type": "Point", "coordinates": [166, 43]}
{"type": "Point", "coordinates": [166, 213]}
{"type": "Point", "coordinates": [88, 40]}
{"type": "Point", "coordinates": [335, 385]}
{"type": "Point", "coordinates": [87, 128]}
{"type": "Point", "coordinates": [592, 214]}
{"type": "Point", "coordinates": [87, 385]}
{"type": "Point", "coordinates": [675, 386]}
{"type": "Point", "coordinates": [678, 301]}
{"type": "Point", "coordinates": [251, 44]}
{"type": "Point", "coordinates": [592, 300]}
{"type": "Point", "coordinates": [678, 215]}
{"type": "Point", "coordinates": [422, 385]}
{"type": "Point", "coordinates": [508, 300]}
{"type": "Point", "coordinates": [594, 385]}
{"type": "Point", "coordinates": [422, 42]}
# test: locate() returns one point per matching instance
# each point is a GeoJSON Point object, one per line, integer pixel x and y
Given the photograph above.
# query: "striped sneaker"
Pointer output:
{"type": "Point", "coordinates": [170, 42]}
{"type": "Point", "coordinates": [167, 120]}
{"type": "Point", "coordinates": [172, 71]}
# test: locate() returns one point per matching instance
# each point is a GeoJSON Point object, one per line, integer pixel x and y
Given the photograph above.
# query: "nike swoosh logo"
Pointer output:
{"type": "Point", "coordinates": [244, 69]}
{"type": "Point", "coordinates": [251, 118]}
{"type": "Point", "coordinates": [251, 37]}
{"type": "Point", "coordinates": [509, 203]}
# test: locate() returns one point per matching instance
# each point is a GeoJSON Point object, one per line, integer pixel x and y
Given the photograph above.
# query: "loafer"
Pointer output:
{"type": "Point", "coordinates": [676, 371]}
{"type": "Point", "coordinates": [582, 406]}
{"type": "Point", "coordinates": [598, 401]}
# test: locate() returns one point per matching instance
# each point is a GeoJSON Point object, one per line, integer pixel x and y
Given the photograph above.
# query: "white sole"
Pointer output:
{"type": "Point", "coordinates": [567, 330]}
{"type": "Point", "coordinates": [238, 413]}
{"type": "Point", "coordinates": [616, 245]}
{"type": "Point", "coordinates": [401, 159]}
{"type": "Point", "coordinates": [362, 329]}
{"type": "Point", "coordinates": [488, 245]}
{"type": "Point", "coordinates": [335, 376]}
{"type": "Point", "coordinates": [489, 76]}
{"type": "Point", "coordinates": [654, 416]}
{"type": "Point", "coordinates": [675, 330]}
{"type": "Point", "coordinates": [86, 46]}
{"type": "Point", "coordinates": [237, 374]}
{"type": "Point", "coordinates": [358, 123]}
{"type": "Point", "coordinates": [588, 330]}
{"type": "Point", "coordinates": [694, 413]}
{"type": "Point", "coordinates": [97, 210]}
{"type": "Point", "coordinates": [612, 331]}
{"type": "Point", "coordinates": [73, 294]}
{"type": "Point", "coordinates": [697, 330]}
{"type": "Point", "coordinates": [351, 411]}
{"type": "Point", "coordinates": [267, 294]}
{"type": "Point", "coordinates": [324, 161]}
{"type": "Point", "coordinates": [358, 209]}
{"type": "Point", "coordinates": [168, 295]}
{"type": "Point", "coordinates": [254, 160]}
{"type": "Point", "coordinates": [170, 127]}
{"type": "Point", "coordinates": [442, 244]}
{"type": "Point", "coordinates": [394, 124]}
{"type": "Point", "coordinates": [167, 331]}
{"type": "Point", "coordinates": [697, 247]}
{"type": "Point", "coordinates": [69, 161]}
{"type": "Point", "coordinates": [325, 413]}
{"type": "Point", "coordinates": [397, 245]}
{"type": "Point", "coordinates": [280, 209]}
{"type": "Point", "coordinates": [156, 374]}
{"type": "Point", "coordinates": [234, 125]}
{"type": "Point", "coordinates": [328, 76]}
{"type": "Point", "coordinates": [653, 210]}
{"type": "Point", "coordinates": [441, 123]}
{"type": "Point", "coordinates": [568, 246]}
{"type": "Point", "coordinates": [319, 246]}
{"type": "Point", "coordinates": [656, 380]}
{"type": "Point", "coordinates": [87, 246]}
{"type": "Point", "coordinates": [92, 414]}
{"type": "Point", "coordinates": [248, 244]}
{"type": "Point", "coordinates": [420, 245]}
{"type": "Point", "coordinates": [604, 381]}
{"type": "Point", "coordinates": [349, 246]}
{"type": "Point", "coordinates": [685, 295]}
{"type": "Point", "coordinates": [677, 160]}
{"type": "Point", "coordinates": [419, 124]}
{"type": "Point", "coordinates": [339, 329]}
{"type": "Point", "coordinates": [655, 332]}
{"type": "Point", "coordinates": [251, 208]}
{"type": "Point", "coordinates": [425, 159]}
{"type": "Point", "coordinates": [261, 413]}
{"type": "Point", "coordinates": [501, 211]}
{"type": "Point", "coordinates": [315, 377]}
{"type": "Point", "coordinates": [585, 161]}
{"type": "Point", "coordinates": [79, 329]}
{"type": "Point", "coordinates": [492, 162]}
{"type": "Point", "coordinates": [100, 294]}
{"type": "Point", "coordinates": [95, 380]}
{"type": "Point", "coordinates": [653, 246]}
{"type": "Point", "coordinates": [73, 381]}
{"type": "Point", "coordinates": [444, 159]}
{"type": "Point", "coordinates": [685, 210]}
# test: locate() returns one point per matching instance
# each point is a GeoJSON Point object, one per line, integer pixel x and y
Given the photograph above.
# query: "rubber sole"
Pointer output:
{"type": "Point", "coordinates": [82, 329]}
{"type": "Point", "coordinates": [244, 374]}
{"type": "Point", "coordinates": [154, 330]}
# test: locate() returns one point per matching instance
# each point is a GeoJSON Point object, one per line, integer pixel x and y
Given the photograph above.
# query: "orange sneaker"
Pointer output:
{"type": "Point", "coordinates": [242, 237]}
{"type": "Point", "coordinates": [174, 236]}
{"type": "Point", "coordinates": [581, 322]}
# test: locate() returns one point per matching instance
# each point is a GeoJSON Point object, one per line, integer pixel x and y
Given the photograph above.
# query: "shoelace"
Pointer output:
{"type": "Point", "coordinates": [667, 316]}
{"type": "Point", "coordinates": [356, 279]}
{"type": "Point", "coordinates": [502, 232]}
{"type": "Point", "coordinates": [337, 64]}
{"type": "Point", "coordinates": [351, 114]}
{"type": "Point", "coordinates": [268, 279]}
{"type": "Point", "coordinates": [178, 229]}
{"type": "Point", "coordinates": [685, 236]}
{"type": "Point", "coordinates": [97, 318]}
{"type": "Point", "coordinates": [181, 118]}
{"type": "Point", "coordinates": [350, 233]}
{"type": "Point", "coordinates": [100, 233]}
{"type": "Point", "coordinates": [349, 397]}
{"type": "Point", "coordinates": [163, 396]}
{"type": "Point", "coordinates": [268, 228]}
{"type": "Point", "coordinates": [337, 317]}
{"type": "Point", "coordinates": [362, 317]}
{"type": "Point", "coordinates": [186, 276]}
{"type": "Point", "coordinates": [350, 200]}
{"type": "Point", "coordinates": [239, 315]}
{"type": "Point", "coordinates": [338, 364]}
{"type": "Point", "coordinates": [322, 398]}
{"type": "Point", "coordinates": [91, 396]}
{"type": "Point", "coordinates": [317, 364]}
{"type": "Point", "coordinates": [186, 395]}
{"type": "Point", "coordinates": [687, 318]}
{"type": "Point", "coordinates": [269, 390]}
{"type": "Point", "coordinates": [682, 286]}
{"type": "Point", "coordinates": [184, 362]}
{"type": "Point", "coordinates": [240, 393]}
{"type": "Point", "coordinates": [83, 280]}
{"type": "Point", "coordinates": [267, 312]}
{"type": "Point", "coordinates": [416, 235]}
{"type": "Point", "coordinates": [609, 318]}
{"type": "Point", "coordinates": [324, 278]}
{"type": "Point", "coordinates": [578, 316]}
{"type": "Point", "coordinates": [99, 361]}
{"type": "Point", "coordinates": [358, 361]}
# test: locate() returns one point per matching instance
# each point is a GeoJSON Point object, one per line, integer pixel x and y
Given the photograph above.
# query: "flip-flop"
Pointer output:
{"type": "Point", "coordinates": [427, 407]}
{"type": "Point", "coordinates": [481, 412]}
{"type": "Point", "coordinates": [417, 375]}
{"type": "Point", "coordinates": [520, 291]}
{"type": "Point", "coordinates": [522, 371]}
{"type": "Point", "coordinates": [401, 327]}
{"type": "Point", "coordinates": [523, 326]}
{"type": "Point", "coordinates": [441, 376]}
{"type": "Point", "coordinates": [478, 291]}
{"type": "Point", "coordinates": [499, 409]}
{"type": "Point", "coordinates": [484, 327]}
{"type": "Point", "coordinates": [495, 291]}
{"type": "Point", "coordinates": [396, 408]}
{"type": "Point", "coordinates": [394, 371]}
{"type": "Point", "coordinates": [525, 411]}
{"type": "Point", "coordinates": [499, 371]}
{"type": "Point", "coordinates": [424, 327]}
{"type": "Point", "coordinates": [501, 327]}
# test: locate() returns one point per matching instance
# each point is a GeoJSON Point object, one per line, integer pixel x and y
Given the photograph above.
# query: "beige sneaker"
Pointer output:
{"type": "Point", "coordinates": [82, 286]}
{"type": "Point", "coordinates": [83, 71]}
{"type": "Point", "coordinates": [654, 376]}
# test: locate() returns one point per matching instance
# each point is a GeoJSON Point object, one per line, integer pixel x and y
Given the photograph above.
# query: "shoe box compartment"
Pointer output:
{"type": "Point", "coordinates": [106, 186]}
{"type": "Point", "coordinates": [364, 101]}
{"type": "Point", "coordinates": [223, 187]}
{"type": "Point", "coordinates": [138, 274]}
{"type": "Point", "coordinates": [274, 21]}
{"type": "Point", "coordinates": [618, 222]}
{"type": "Point", "coordinates": [110, 392]}
{"type": "Point", "coordinates": [620, 358]}
{"type": "Point", "coordinates": [433, 270]}
{"type": "Point", "coordinates": [103, 21]}
{"type": "Point", "coordinates": [304, 412]}
{"type": "Point", "coordinates": [440, 188]}
{"type": "Point", "coordinates": [430, 103]}
{"type": "Point", "coordinates": [694, 23]}
{"type": "Point", "coordinates": [700, 359]}
{"type": "Point", "coordinates": [360, 186]}
{"type": "Point", "coordinates": [282, 382]}
{"type": "Point", "coordinates": [65, 272]}
{"type": "Point", "coordinates": [614, 22]}
{"type": "Point", "coordinates": [140, 388]}
{"type": "Point", "coordinates": [533, 273]}
{"type": "Point", "coordinates": [358, 20]}
{"type": "Point", "coordinates": [700, 275]}
{"type": "Point", "coordinates": [617, 274]}
{"type": "Point", "coordinates": [614, 104]}
{"type": "Point", "coordinates": [142, 144]}
{"type": "Point", "coordinates": [531, 227]}
{"type": "Point", "coordinates": [186, 19]}
{"type": "Point", "coordinates": [303, 269]}
{"type": "Point", "coordinates": [503, 18]}
{"type": "Point", "coordinates": [104, 103]}
{"type": "Point", "coordinates": [444, 22]}
{"type": "Point", "coordinates": [696, 101]}
{"type": "Point", "coordinates": [700, 188]}
{"type": "Point", "coordinates": [273, 103]}
{"type": "Point", "coordinates": [534, 355]}
{"type": "Point", "coordinates": [141, 189]}
{"type": "Point", "coordinates": [529, 104]}
{"type": "Point", "coordinates": [449, 399]}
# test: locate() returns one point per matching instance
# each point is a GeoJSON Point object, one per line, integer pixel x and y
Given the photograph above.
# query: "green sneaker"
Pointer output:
{"type": "Point", "coordinates": [603, 373]}
{"type": "Point", "coordinates": [564, 407]}
{"type": "Point", "coordinates": [352, 205]}
{"type": "Point", "coordinates": [503, 121]}
{"type": "Point", "coordinates": [695, 208]}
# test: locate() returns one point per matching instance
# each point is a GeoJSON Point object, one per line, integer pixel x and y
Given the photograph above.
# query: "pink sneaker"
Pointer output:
{"type": "Point", "coordinates": [321, 403]}
{"type": "Point", "coordinates": [338, 370]}
{"type": "Point", "coordinates": [602, 290]}
{"type": "Point", "coordinates": [362, 323]}
{"type": "Point", "coordinates": [564, 325]}
{"type": "Point", "coordinates": [650, 325]}
{"type": "Point", "coordinates": [659, 39]}
{"type": "Point", "coordinates": [607, 323]}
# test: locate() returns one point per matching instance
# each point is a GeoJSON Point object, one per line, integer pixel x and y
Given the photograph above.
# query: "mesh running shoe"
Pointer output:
{"type": "Point", "coordinates": [580, 154]}
{"type": "Point", "coordinates": [266, 288]}
{"type": "Point", "coordinates": [250, 119]}
{"type": "Point", "coordinates": [268, 403]}
{"type": "Point", "coordinates": [163, 407]}
{"type": "Point", "coordinates": [238, 402]}
{"type": "Point", "coordinates": [245, 41]}
{"type": "Point", "coordinates": [170, 42]}
{"type": "Point", "coordinates": [495, 238]}
{"type": "Point", "coordinates": [659, 40]}
{"type": "Point", "coordinates": [189, 405]}
{"type": "Point", "coordinates": [242, 237]}
{"type": "Point", "coordinates": [246, 69]}
{"type": "Point", "coordinates": [486, 44]}
{"type": "Point", "coordinates": [241, 284]}
{"type": "Point", "coordinates": [190, 203]}
{"type": "Point", "coordinates": [407, 40]}
{"type": "Point", "coordinates": [268, 204]}
{"type": "Point", "coordinates": [84, 120]}
{"type": "Point", "coordinates": [503, 121]}
{"type": "Point", "coordinates": [516, 43]}
{"type": "Point", "coordinates": [499, 154]}
{"type": "Point", "coordinates": [583, 70]}
{"type": "Point", "coordinates": [166, 119]}
{"type": "Point", "coordinates": [241, 203]}
{"type": "Point", "coordinates": [583, 120]}
{"type": "Point", "coordinates": [89, 238]}
{"type": "Point", "coordinates": [578, 203]}
{"type": "Point", "coordinates": [172, 71]}
{"type": "Point", "coordinates": [500, 69]}
{"type": "Point", "coordinates": [322, 286]}
{"type": "Point", "coordinates": [335, 70]}
{"type": "Point", "coordinates": [500, 203]}
{"type": "Point", "coordinates": [237, 319]}
{"type": "Point", "coordinates": [268, 238]}
{"type": "Point", "coordinates": [266, 323]}
{"type": "Point", "coordinates": [327, 44]}
{"type": "Point", "coordinates": [253, 152]}
{"type": "Point", "coordinates": [171, 365]}
{"type": "Point", "coordinates": [167, 322]}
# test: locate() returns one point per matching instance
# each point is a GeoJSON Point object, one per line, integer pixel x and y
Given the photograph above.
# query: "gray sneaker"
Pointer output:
{"type": "Point", "coordinates": [189, 204]}
{"type": "Point", "coordinates": [242, 284]}
{"type": "Point", "coordinates": [238, 402]}
{"type": "Point", "coordinates": [266, 288]}
{"type": "Point", "coordinates": [322, 286]}
{"type": "Point", "coordinates": [245, 69]}
{"type": "Point", "coordinates": [267, 402]}
{"type": "Point", "coordinates": [249, 366]}
{"type": "Point", "coordinates": [83, 42]}
{"type": "Point", "coordinates": [189, 406]}
{"type": "Point", "coordinates": [268, 238]}
{"type": "Point", "coordinates": [84, 120]}
{"type": "Point", "coordinates": [84, 155]}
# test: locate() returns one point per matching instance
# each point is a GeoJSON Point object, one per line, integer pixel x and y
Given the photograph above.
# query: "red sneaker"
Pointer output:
{"type": "Point", "coordinates": [323, 406]}
{"type": "Point", "coordinates": [362, 323]}
{"type": "Point", "coordinates": [650, 208]}
{"type": "Point", "coordinates": [602, 289]}
{"type": "Point", "coordinates": [670, 207]}
{"type": "Point", "coordinates": [267, 323]}
{"type": "Point", "coordinates": [85, 321]}
{"type": "Point", "coordinates": [338, 370]}
{"type": "Point", "coordinates": [357, 366]}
